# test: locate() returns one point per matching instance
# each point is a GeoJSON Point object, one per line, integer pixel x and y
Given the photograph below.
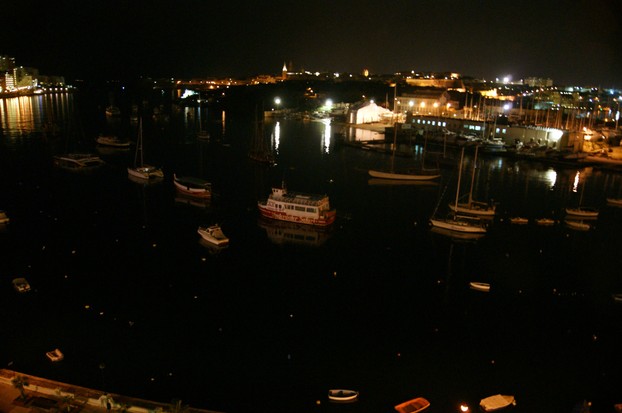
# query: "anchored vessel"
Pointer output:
{"type": "Point", "coordinates": [297, 207]}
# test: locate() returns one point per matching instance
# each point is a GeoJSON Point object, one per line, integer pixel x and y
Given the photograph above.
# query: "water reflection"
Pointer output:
{"type": "Point", "coordinates": [25, 115]}
{"type": "Point", "coordinates": [281, 232]}
{"type": "Point", "coordinates": [325, 141]}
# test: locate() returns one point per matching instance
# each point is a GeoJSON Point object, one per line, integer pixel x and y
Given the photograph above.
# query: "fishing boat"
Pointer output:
{"type": "Point", "coordinates": [459, 223]}
{"type": "Point", "coordinates": [78, 161]}
{"type": "Point", "coordinates": [140, 170]}
{"type": "Point", "coordinates": [214, 235]}
{"type": "Point", "coordinates": [413, 406]}
{"type": "Point", "coordinates": [342, 395]}
{"type": "Point", "coordinates": [496, 402]}
{"type": "Point", "coordinates": [407, 175]}
{"type": "Point", "coordinates": [55, 355]}
{"type": "Point", "coordinates": [302, 208]}
{"type": "Point", "coordinates": [191, 186]}
{"type": "Point", "coordinates": [112, 141]}
{"type": "Point", "coordinates": [4, 218]}
{"type": "Point", "coordinates": [21, 285]}
{"type": "Point", "coordinates": [472, 207]}
{"type": "Point", "coordinates": [479, 286]}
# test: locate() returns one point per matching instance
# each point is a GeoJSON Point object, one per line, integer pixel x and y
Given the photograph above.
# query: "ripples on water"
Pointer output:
{"type": "Point", "coordinates": [379, 303]}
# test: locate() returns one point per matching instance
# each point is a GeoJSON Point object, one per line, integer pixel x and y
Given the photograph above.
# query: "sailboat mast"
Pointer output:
{"type": "Point", "coordinates": [473, 176]}
{"type": "Point", "coordinates": [459, 178]}
{"type": "Point", "coordinates": [394, 147]}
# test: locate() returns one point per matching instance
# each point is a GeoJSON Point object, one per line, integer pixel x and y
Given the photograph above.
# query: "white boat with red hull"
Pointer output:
{"type": "Point", "coordinates": [309, 209]}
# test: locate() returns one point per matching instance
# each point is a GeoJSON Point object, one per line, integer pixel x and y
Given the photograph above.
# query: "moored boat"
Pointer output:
{"type": "Point", "coordinates": [413, 406]}
{"type": "Point", "coordinates": [55, 355]}
{"type": "Point", "coordinates": [479, 286]}
{"type": "Point", "coordinates": [21, 285]}
{"type": "Point", "coordinates": [78, 161]}
{"type": "Point", "coordinates": [113, 141]}
{"type": "Point", "coordinates": [519, 220]}
{"type": "Point", "coordinates": [496, 402]}
{"type": "Point", "coordinates": [214, 235]}
{"type": "Point", "coordinates": [342, 395]}
{"type": "Point", "coordinates": [310, 209]}
{"type": "Point", "coordinates": [405, 176]}
{"type": "Point", "coordinates": [582, 212]}
{"type": "Point", "coordinates": [194, 187]}
{"type": "Point", "coordinates": [614, 201]}
{"type": "Point", "coordinates": [141, 170]}
{"type": "Point", "coordinates": [546, 222]}
{"type": "Point", "coordinates": [4, 218]}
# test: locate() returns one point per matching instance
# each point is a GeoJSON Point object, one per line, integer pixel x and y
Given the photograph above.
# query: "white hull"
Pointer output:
{"type": "Point", "coordinates": [339, 395]}
{"type": "Point", "coordinates": [213, 235]}
{"type": "Point", "coordinates": [614, 201]}
{"type": "Point", "coordinates": [456, 225]}
{"type": "Point", "coordinates": [403, 177]}
{"type": "Point", "coordinates": [473, 209]}
{"type": "Point", "coordinates": [307, 209]}
{"type": "Point", "coordinates": [582, 212]}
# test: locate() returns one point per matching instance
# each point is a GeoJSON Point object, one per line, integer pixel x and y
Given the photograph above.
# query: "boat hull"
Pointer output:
{"type": "Point", "coordinates": [327, 219]}
{"type": "Point", "coordinates": [413, 406]}
{"type": "Point", "coordinates": [213, 235]}
{"type": "Point", "coordinates": [341, 395]}
{"type": "Point", "coordinates": [145, 172]}
{"type": "Point", "coordinates": [457, 226]}
{"type": "Point", "coordinates": [402, 177]}
{"type": "Point", "coordinates": [482, 211]}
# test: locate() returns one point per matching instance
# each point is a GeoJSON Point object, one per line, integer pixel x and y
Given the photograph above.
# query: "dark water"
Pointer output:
{"type": "Point", "coordinates": [122, 285]}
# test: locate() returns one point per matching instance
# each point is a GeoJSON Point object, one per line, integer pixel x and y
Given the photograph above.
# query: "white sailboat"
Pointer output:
{"type": "Point", "coordinates": [581, 212]}
{"type": "Point", "coordinates": [140, 170]}
{"type": "Point", "coordinates": [472, 207]}
{"type": "Point", "coordinates": [459, 223]}
{"type": "Point", "coordinates": [404, 175]}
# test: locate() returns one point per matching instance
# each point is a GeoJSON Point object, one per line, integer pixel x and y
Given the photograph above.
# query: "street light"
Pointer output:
{"type": "Point", "coordinates": [277, 102]}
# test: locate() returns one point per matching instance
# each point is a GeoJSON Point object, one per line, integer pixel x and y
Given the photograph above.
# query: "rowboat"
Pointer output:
{"type": "Point", "coordinates": [55, 355]}
{"type": "Point", "coordinates": [479, 286]}
{"type": "Point", "coordinates": [342, 395]}
{"type": "Point", "coordinates": [191, 186]}
{"type": "Point", "coordinates": [519, 220]}
{"type": "Point", "coordinates": [496, 402]}
{"type": "Point", "coordinates": [413, 406]}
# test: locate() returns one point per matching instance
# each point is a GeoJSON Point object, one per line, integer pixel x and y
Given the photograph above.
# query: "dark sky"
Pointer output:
{"type": "Point", "coordinates": [571, 41]}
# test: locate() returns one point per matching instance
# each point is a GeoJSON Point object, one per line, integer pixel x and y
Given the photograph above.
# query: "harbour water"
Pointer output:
{"type": "Point", "coordinates": [378, 303]}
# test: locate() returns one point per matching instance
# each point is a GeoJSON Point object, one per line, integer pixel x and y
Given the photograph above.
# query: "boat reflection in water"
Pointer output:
{"type": "Point", "coordinates": [192, 201]}
{"type": "Point", "coordinates": [283, 232]}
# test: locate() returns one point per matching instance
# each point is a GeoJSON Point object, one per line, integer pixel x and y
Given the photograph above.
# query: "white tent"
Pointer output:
{"type": "Point", "coordinates": [368, 113]}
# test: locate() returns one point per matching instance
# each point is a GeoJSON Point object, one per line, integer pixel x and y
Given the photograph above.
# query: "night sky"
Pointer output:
{"type": "Point", "coordinates": [573, 42]}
